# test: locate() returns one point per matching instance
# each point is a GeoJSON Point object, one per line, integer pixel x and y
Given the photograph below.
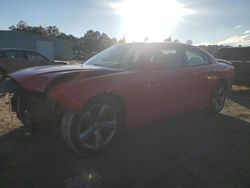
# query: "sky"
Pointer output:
{"type": "Point", "coordinates": [225, 22]}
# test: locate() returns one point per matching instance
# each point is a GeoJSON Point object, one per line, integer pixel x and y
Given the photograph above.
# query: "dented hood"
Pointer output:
{"type": "Point", "coordinates": [39, 78]}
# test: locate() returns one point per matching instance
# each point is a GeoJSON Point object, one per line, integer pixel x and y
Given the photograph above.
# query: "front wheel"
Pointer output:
{"type": "Point", "coordinates": [218, 98]}
{"type": "Point", "coordinates": [94, 128]}
{"type": "Point", "coordinates": [2, 74]}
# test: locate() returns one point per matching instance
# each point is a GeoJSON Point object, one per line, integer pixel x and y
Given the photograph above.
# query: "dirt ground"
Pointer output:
{"type": "Point", "coordinates": [191, 150]}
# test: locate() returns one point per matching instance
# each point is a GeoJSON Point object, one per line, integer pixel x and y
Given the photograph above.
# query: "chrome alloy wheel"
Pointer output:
{"type": "Point", "coordinates": [97, 126]}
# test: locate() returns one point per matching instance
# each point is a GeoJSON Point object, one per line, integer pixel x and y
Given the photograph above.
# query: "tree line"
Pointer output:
{"type": "Point", "coordinates": [91, 42]}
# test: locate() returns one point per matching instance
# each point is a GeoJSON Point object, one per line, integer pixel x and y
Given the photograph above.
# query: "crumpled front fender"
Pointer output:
{"type": "Point", "coordinates": [38, 83]}
{"type": "Point", "coordinates": [68, 96]}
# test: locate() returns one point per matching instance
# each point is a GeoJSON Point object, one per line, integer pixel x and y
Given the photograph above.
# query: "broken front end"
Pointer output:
{"type": "Point", "coordinates": [30, 107]}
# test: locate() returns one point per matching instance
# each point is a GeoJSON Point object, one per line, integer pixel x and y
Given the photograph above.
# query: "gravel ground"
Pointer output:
{"type": "Point", "coordinates": [191, 150]}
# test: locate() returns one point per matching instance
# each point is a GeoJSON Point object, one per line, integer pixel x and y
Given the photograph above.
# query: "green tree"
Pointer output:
{"type": "Point", "coordinates": [36, 30]}
{"type": "Point", "coordinates": [52, 31]}
{"type": "Point", "coordinates": [190, 42]}
{"type": "Point", "coordinates": [93, 42]}
{"type": "Point", "coordinates": [169, 39]}
{"type": "Point", "coordinates": [122, 40]}
{"type": "Point", "coordinates": [20, 26]}
{"type": "Point", "coordinates": [176, 41]}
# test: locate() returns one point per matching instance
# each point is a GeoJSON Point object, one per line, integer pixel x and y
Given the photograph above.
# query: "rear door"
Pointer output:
{"type": "Point", "coordinates": [165, 85]}
{"type": "Point", "coordinates": [199, 77]}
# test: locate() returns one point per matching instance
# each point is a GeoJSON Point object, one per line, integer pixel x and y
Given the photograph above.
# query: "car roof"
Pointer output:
{"type": "Point", "coordinates": [172, 44]}
{"type": "Point", "coordinates": [177, 44]}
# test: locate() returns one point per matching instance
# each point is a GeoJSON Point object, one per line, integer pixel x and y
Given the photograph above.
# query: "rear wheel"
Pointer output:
{"type": "Point", "coordinates": [218, 98]}
{"type": "Point", "coordinates": [94, 128]}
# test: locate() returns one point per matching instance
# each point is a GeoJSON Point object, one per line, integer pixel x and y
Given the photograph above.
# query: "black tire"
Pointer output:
{"type": "Point", "coordinates": [79, 129]}
{"type": "Point", "coordinates": [217, 99]}
{"type": "Point", "coordinates": [27, 122]}
{"type": "Point", "coordinates": [2, 74]}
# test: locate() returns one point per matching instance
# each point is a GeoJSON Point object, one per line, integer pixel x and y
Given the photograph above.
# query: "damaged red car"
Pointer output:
{"type": "Point", "coordinates": [122, 87]}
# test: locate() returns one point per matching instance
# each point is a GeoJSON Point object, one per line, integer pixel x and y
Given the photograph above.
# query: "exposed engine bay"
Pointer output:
{"type": "Point", "coordinates": [30, 107]}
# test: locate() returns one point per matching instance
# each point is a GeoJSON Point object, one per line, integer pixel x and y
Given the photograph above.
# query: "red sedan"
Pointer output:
{"type": "Point", "coordinates": [122, 87]}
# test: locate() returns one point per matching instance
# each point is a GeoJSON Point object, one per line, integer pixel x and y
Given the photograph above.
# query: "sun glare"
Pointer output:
{"type": "Point", "coordinates": [152, 19]}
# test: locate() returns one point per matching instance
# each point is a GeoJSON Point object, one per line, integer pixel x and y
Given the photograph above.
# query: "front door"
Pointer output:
{"type": "Point", "coordinates": [165, 84]}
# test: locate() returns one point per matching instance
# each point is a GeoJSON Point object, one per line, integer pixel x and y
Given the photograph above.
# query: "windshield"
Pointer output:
{"type": "Point", "coordinates": [121, 56]}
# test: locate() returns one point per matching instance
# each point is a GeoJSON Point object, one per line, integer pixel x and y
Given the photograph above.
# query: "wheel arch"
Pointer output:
{"type": "Point", "coordinates": [68, 129]}
{"type": "Point", "coordinates": [116, 97]}
{"type": "Point", "coordinates": [225, 83]}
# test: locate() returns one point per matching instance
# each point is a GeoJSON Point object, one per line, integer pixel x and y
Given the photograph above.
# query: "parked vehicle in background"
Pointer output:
{"type": "Point", "coordinates": [15, 59]}
{"type": "Point", "coordinates": [240, 58]}
{"type": "Point", "coordinates": [122, 87]}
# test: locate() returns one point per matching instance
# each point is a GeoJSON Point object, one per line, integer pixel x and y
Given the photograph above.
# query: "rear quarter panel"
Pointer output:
{"type": "Point", "coordinates": [225, 72]}
{"type": "Point", "coordinates": [203, 81]}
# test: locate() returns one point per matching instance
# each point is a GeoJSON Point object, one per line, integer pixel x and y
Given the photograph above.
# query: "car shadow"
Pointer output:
{"type": "Point", "coordinates": [192, 150]}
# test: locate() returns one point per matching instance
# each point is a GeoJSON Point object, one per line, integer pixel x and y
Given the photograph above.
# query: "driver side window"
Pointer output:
{"type": "Point", "coordinates": [169, 57]}
{"type": "Point", "coordinates": [195, 58]}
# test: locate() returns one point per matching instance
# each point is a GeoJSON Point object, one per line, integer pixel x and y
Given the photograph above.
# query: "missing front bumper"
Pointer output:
{"type": "Point", "coordinates": [8, 86]}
